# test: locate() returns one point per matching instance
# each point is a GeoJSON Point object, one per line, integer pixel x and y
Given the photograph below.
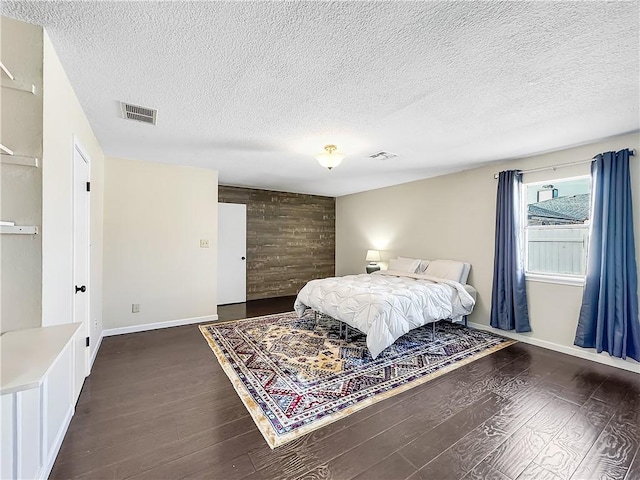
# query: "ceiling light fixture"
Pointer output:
{"type": "Point", "coordinates": [330, 157]}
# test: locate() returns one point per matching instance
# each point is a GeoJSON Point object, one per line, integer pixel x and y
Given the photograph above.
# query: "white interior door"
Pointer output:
{"type": "Point", "coordinates": [80, 266]}
{"type": "Point", "coordinates": [232, 252]}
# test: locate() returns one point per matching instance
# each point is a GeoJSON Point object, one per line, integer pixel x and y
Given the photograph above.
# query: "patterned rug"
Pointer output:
{"type": "Point", "coordinates": [297, 375]}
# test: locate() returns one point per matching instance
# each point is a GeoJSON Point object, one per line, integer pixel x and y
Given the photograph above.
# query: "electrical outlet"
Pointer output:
{"type": "Point", "coordinates": [204, 243]}
{"type": "Point", "coordinates": [135, 308]}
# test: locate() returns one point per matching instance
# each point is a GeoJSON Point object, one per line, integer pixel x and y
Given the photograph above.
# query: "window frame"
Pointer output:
{"type": "Point", "coordinates": [557, 278]}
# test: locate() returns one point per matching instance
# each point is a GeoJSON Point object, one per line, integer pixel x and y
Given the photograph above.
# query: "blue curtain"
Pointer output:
{"type": "Point", "coordinates": [509, 296]}
{"type": "Point", "coordinates": [609, 314]}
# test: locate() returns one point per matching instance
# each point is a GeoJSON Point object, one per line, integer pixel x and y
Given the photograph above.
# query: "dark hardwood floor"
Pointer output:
{"type": "Point", "coordinates": [157, 405]}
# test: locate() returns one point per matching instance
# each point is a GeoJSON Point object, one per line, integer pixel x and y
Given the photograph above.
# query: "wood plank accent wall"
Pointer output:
{"type": "Point", "coordinates": [291, 239]}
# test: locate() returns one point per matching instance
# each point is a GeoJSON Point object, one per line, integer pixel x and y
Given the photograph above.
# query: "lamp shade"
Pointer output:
{"type": "Point", "coordinates": [372, 256]}
{"type": "Point", "coordinates": [330, 157]}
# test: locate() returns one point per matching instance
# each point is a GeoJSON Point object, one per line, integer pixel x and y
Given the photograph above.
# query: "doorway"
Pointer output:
{"type": "Point", "coordinates": [232, 252]}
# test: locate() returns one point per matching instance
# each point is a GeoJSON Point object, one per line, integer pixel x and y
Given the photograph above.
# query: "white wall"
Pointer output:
{"type": "Point", "coordinates": [154, 217]}
{"type": "Point", "coordinates": [453, 216]}
{"type": "Point", "coordinates": [21, 186]}
{"type": "Point", "coordinates": [63, 120]}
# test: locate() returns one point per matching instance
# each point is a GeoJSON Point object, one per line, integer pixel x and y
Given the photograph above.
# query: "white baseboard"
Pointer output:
{"type": "Point", "coordinates": [95, 351]}
{"type": "Point", "coordinates": [155, 326]}
{"type": "Point", "coordinates": [57, 443]}
{"type": "Point", "coordinates": [587, 353]}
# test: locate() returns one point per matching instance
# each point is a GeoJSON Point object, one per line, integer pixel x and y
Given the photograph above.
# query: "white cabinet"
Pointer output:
{"type": "Point", "coordinates": [37, 398]}
{"type": "Point", "coordinates": [21, 423]}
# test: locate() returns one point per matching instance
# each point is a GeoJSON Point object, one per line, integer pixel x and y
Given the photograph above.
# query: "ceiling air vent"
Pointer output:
{"type": "Point", "coordinates": [382, 155]}
{"type": "Point", "coordinates": [140, 114]}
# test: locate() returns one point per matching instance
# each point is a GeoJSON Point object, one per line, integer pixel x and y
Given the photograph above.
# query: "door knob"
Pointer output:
{"type": "Point", "coordinates": [82, 289]}
{"type": "Point", "coordinates": [242, 258]}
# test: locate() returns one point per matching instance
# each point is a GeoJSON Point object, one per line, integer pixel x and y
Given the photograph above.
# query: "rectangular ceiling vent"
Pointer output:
{"type": "Point", "coordinates": [382, 155]}
{"type": "Point", "coordinates": [139, 114]}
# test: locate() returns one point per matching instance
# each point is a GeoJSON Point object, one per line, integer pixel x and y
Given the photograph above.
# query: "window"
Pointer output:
{"type": "Point", "coordinates": [556, 229]}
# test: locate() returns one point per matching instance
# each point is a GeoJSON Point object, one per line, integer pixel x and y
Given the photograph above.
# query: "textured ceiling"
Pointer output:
{"type": "Point", "coordinates": [254, 89]}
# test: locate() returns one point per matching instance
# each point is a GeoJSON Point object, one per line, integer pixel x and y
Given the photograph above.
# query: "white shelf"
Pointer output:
{"type": "Point", "coordinates": [13, 84]}
{"type": "Point", "coordinates": [5, 150]}
{"type": "Point", "coordinates": [18, 230]}
{"type": "Point", "coordinates": [19, 160]}
{"type": "Point", "coordinates": [7, 156]}
{"type": "Point", "coordinates": [6, 71]}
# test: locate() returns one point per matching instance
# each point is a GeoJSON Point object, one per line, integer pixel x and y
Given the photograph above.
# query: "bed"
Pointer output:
{"type": "Point", "coordinates": [387, 304]}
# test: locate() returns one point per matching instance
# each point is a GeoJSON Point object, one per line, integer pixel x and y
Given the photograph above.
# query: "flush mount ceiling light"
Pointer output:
{"type": "Point", "coordinates": [330, 157]}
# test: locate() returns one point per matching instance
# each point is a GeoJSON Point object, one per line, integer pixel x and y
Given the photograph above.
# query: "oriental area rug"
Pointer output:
{"type": "Point", "coordinates": [296, 375]}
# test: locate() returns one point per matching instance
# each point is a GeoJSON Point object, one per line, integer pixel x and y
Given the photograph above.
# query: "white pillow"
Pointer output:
{"type": "Point", "coordinates": [409, 265]}
{"type": "Point", "coordinates": [448, 269]}
{"type": "Point", "coordinates": [423, 264]}
{"type": "Point", "coordinates": [465, 273]}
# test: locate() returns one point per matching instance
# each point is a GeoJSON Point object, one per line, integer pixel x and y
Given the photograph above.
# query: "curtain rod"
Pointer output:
{"type": "Point", "coordinates": [560, 165]}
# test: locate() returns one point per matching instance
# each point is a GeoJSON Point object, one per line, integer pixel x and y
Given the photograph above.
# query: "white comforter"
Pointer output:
{"type": "Point", "coordinates": [385, 305]}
